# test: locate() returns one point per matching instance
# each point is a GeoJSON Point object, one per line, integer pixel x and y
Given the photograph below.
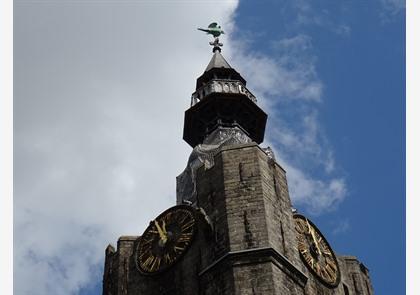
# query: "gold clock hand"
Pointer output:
{"type": "Point", "coordinates": [311, 231]}
{"type": "Point", "coordinates": [164, 227]}
{"type": "Point", "coordinates": [162, 235]}
{"type": "Point", "coordinates": [316, 243]}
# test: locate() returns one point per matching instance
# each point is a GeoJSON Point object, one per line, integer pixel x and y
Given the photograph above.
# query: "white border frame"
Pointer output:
{"type": "Point", "coordinates": [6, 147]}
{"type": "Point", "coordinates": [412, 146]}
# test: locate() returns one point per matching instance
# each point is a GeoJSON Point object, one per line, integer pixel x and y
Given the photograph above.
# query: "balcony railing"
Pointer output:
{"type": "Point", "coordinates": [221, 86]}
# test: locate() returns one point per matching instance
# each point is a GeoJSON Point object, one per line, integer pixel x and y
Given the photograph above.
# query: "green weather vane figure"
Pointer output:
{"type": "Point", "coordinates": [213, 29]}
{"type": "Point", "coordinates": [216, 31]}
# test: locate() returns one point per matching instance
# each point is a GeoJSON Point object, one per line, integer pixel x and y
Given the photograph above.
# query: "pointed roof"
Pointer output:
{"type": "Point", "coordinates": [218, 67]}
{"type": "Point", "coordinates": [217, 61]}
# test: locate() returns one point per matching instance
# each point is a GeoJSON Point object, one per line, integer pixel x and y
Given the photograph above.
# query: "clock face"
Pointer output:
{"type": "Point", "coordinates": [315, 252]}
{"type": "Point", "coordinates": [166, 239]}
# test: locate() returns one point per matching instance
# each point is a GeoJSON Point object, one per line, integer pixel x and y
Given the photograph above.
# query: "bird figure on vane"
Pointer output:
{"type": "Point", "coordinates": [213, 29]}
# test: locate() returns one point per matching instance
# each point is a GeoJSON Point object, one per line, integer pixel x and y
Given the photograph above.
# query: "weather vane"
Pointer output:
{"type": "Point", "coordinates": [216, 31]}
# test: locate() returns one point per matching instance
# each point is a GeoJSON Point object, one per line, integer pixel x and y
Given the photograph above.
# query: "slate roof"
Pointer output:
{"type": "Point", "coordinates": [217, 61]}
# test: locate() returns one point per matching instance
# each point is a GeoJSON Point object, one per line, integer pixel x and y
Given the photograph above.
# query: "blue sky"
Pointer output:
{"type": "Point", "coordinates": [359, 52]}
{"type": "Point", "coordinates": [88, 85]}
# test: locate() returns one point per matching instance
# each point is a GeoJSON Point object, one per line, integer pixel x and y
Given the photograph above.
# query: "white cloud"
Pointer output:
{"type": "Point", "coordinates": [315, 195]}
{"type": "Point", "coordinates": [390, 9]}
{"type": "Point", "coordinates": [302, 140]}
{"type": "Point", "coordinates": [282, 75]}
{"type": "Point", "coordinates": [293, 45]}
{"type": "Point", "coordinates": [342, 226]}
{"type": "Point", "coordinates": [393, 6]}
{"type": "Point", "coordinates": [308, 14]}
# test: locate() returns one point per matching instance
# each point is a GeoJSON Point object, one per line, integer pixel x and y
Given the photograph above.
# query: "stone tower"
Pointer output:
{"type": "Point", "coordinates": [233, 230]}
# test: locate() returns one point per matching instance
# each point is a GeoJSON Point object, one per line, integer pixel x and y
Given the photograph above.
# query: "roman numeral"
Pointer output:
{"type": "Point", "coordinates": [332, 266]}
{"type": "Point", "coordinates": [183, 217]}
{"type": "Point", "coordinates": [146, 242]}
{"type": "Point", "coordinates": [168, 216]}
{"type": "Point", "coordinates": [187, 225]}
{"type": "Point", "coordinates": [309, 259]}
{"type": "Point", "coordinates": [186, 237]}
{"type": "Point", "coordinates": [330, 271]}
{"type": "Point", "coordinates": [301, 245]}
{"type": "Point", "coordinates": [148, 262]}
{"type": "Point", "coordinates": [301, 228]}
{"type": "Point", "coordinates": [145, 253]}
{"type": "Point", "coordinates": [168, 258]}
{"type": "Point", "coordinates": [155, 264]}
{"type": "Point", "coordinates": [178, 249]}
{"type": "Point", "coordinates": [326, 275]}
{"type": "Point", "coordinates": [327, 253]}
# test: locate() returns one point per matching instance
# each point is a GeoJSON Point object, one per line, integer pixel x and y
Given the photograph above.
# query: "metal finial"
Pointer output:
{"type": "Point", "coordinates": [216, 31]}
{"type": "Point", "coordinates": [216, 45]}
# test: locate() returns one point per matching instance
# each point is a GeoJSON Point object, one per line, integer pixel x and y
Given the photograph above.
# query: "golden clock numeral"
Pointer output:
{"type": "Point", "coordinates": [147, 242]}
{"type": "Point", "coordinates": [330, 271]}
{"type": "Point", "coordinates": [168, 258]}
{"type": "Point", "coordinates": [178, 249]}
{"type": "Point", "coordinates": [332, 266]}
{"type": "Point", "coordinates": [152, 265]}
{"type": "Point", "coordinates": [309, 259]}
{"type": "Point", "coordinates": [301, 244]}
{"type": "Point", "coordinates": [300, 227]}
{"type": "Point", "coordinates": [187, 225]}
{"type": "Point", "coordinates": [324, 245]}
{"type": "Point", "coordinates": [145, 253]}
{"type": "Point", "coordinates": [155, 264]}
{"type": "Point", "coordinates": [185, 237]}
{"type": "Point", "coordinates": [326, 275]}
{"type": "Point", "coordinates": [168, 216]}
{"type": "Point", "coordinates": [148, 262]}
{"type": "Point", "coordinates": [303, 251]}
{"type": "Point", "coordinates": [145, 247]}
{"type": "Point", "coordinates": [327, 253]}
{"type": "Point", "coordinates": [183, 218]}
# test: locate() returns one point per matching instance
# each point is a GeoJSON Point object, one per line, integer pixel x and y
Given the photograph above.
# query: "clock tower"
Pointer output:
{"type": "Point", "coordinates": [233, 229]}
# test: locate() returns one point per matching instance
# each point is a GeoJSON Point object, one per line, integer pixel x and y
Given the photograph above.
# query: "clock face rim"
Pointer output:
{"type": "Point", "coordinates": [322, 280]}
{"type": "Point", "coordinates": [180, 255]}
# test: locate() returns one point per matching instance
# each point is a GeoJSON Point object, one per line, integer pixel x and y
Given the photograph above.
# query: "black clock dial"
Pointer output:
{"type": "Point", "coordinates": [166, 239]}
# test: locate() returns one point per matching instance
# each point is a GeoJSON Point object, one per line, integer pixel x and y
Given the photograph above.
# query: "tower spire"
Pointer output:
{"type": "Point", "coordinates": [221, 103]}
